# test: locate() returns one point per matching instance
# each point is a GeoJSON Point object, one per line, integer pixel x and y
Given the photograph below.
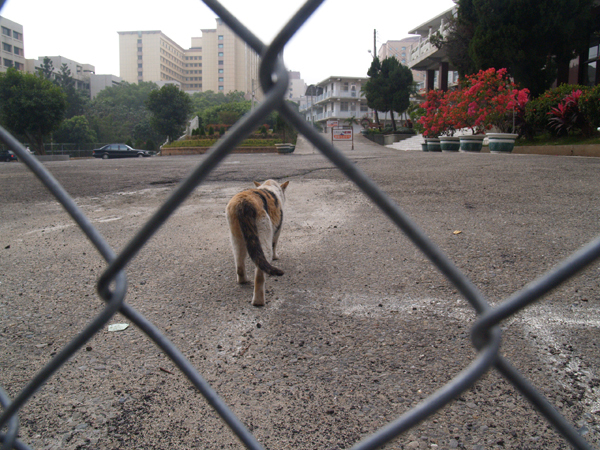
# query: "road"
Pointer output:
{"type": "Point", "coordinates": [359, 329]}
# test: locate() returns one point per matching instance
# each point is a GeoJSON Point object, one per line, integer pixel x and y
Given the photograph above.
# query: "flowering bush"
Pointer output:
{"type": "Point", "coordinates": [484, 100]}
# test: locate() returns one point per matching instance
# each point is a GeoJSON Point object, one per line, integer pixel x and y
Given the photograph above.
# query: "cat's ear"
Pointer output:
{"type": "Point", "coordinates": [284, 185]}
{"type": "Point", "coordinates": [256, 183]}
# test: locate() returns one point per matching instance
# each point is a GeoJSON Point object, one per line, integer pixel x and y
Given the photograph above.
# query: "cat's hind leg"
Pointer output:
{"type": "Point", "coordinates": [239, 255]}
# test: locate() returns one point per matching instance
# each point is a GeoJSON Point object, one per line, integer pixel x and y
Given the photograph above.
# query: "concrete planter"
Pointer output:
{"type": "Point", "coordinates": [381, 139]}
{"type": "Point", "coordinates": [285, 148]}
{"type": "Point", "coordinates": [450, 143]}
{"type": "Point", "coordinates": [502, 142]}
{"type": "Point", "coordinates": [401, 136]}
{"type": "Point", "coordinates": [433, 144]}
{"type": "Point", "coordinates": [471, 143]}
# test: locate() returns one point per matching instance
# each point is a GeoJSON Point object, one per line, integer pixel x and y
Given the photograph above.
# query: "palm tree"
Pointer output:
{"type": "Point", "coordinates": [351, 121]}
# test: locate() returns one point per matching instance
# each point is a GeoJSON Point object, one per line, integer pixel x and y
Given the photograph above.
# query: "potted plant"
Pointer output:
{"type": "Point", "coordinates": [487, 100]}
{"type": "Point", "coordinates": [431, 120]}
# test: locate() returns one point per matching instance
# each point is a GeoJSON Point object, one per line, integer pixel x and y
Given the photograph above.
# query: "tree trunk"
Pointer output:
{"type": "Point", "coordinates": [393, 121]}
{"type": "Point", "coordinates": [377, 118]}
{"type": "Point", "coordinates": [37, 143]}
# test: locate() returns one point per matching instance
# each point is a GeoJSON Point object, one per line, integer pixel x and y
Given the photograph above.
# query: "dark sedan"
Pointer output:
{"type": "Point", "coordinates": [119, 151]}
{"type": "Point", "coordinates": [7, 156]}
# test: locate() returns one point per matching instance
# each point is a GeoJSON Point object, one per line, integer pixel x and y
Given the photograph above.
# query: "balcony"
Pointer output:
{"type": "Point", "coordinates": [338, 94]}
{"type": "Point", "coordinates": [425, 55]}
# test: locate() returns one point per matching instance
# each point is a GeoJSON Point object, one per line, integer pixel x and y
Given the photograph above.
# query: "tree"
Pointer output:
{"type": "Point", "coordinates": [119, 113]}
{"type": "Point", "coordinates": [47, 69]}
{"type": "Point", "coordinates": [170, 108]}
{"type": "Point", "coordinates": [75, 98]}
{"type": "Point", "coordinates": [372, 90]}
{"type": "Point", "coordinates": [75, 130]}
{"type": "Point", "coordinates": [390, 87]}
{"type": "Point", "coordinates": [30, 105]}
{"type": "Point", "coordinates": [227, 113]}
{"type": "Point", "coordinates": [531, 38]}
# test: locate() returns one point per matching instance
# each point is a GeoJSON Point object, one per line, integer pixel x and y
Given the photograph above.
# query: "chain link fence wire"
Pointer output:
{"type": "Point", "coordinates": [112, 285]}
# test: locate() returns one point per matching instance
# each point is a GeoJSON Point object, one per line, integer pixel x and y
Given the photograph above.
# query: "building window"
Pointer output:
{"type": "Point", "coordinates": [352, 106]}
{"type": "Point", "coordinates": [139, 66]}
{"type": "Point", "coordinates": [345, 87]}
{"type": "Point", "coordinates": [139, 57]}
{"type": "Point", "coordinates": [344, 106]}
{"type": "Point", "coordinates": [8, 63]}
{"type": "Point", "coordinates": [220, 62]}
{"type": "Point", "coordinates": [140, 74]}
{"type": "Point", "coordinates": [139, 42]}
{"type": "Point", "coordinates": [6, 31]}
{"type": "Point", "coordinates": [220, 45]}
{"type": "Point", "coordinates": [6, 47]}
{"type": "Point", "coordinates": [220, 37]}
{"type": "Point", "coordinates": [18, 36]}
{"type": "Point", "coordinates": [18, 51]}
{"type": "Point", "coordinates": [221, 54]}
{"type": "Point", "coordinates": [364, 108]}
{"type": "Point", "coordinates": [221, 71]}
{"type": "Point", "coordinates": [139, 49]}
{"type": "Point", "coordinates": [221, 88]}
{"type": "Point", "coordinates": [19, 66]}
{"type": "Point", "coordinates": [220, 79]}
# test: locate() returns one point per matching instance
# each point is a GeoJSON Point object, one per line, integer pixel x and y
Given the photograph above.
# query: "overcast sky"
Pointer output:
{"type": "Point", "coordinates": [335, 41]}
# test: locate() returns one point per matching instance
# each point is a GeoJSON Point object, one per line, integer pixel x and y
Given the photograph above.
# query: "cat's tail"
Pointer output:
{"type": "Point", "coordinates": [247, 219]}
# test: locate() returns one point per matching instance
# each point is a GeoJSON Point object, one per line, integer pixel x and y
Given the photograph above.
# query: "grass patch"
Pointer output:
{"type": "Point", "coordinates": [547, 139]}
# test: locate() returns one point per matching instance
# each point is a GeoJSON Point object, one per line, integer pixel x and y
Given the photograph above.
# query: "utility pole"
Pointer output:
{"type": "Point", "coordinates": [374, 43]}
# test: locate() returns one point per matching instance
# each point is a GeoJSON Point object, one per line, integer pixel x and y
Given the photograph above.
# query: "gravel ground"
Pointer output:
{"type": "Point", "coordinates": [359, 329]}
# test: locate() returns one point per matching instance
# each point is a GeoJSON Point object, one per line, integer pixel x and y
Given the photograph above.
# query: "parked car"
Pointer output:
{"type": "Point", "coordinates": [7, 156]}
{"type": "Point", "coordinates": [119, 151]}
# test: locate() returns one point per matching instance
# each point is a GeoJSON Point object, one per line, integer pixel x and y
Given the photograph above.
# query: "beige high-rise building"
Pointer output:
{"type": "Point", "coordinates": [12, 50]}
{"type": "Point", "coordinates": [217, 61]}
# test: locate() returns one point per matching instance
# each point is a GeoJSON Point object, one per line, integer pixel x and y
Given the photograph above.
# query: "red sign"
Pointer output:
{"type": "Point", "coordinates": [342, 135]}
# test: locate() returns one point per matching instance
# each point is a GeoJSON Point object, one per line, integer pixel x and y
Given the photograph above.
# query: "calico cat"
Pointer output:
{"type": "Point", "coordinates": [255, 217]}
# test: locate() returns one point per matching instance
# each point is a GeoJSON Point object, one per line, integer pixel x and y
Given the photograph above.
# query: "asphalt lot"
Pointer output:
{"type": "Point", "coordinates": [359, 329]}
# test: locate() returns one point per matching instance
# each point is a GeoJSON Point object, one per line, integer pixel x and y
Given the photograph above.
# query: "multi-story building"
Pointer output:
{"type": "Point", "coordinates": [335, 98]}
{"type": "Point", "coordinates": [83, 75]}
{"type": "Point", "coordinates": [435, 63]}
{"type": "Point", "coordinates": [80, 72]}
{"type": "Point", "coordinates": [12, 47]}
{"type": "Point", "coordinates": [297, 87]}
{"type": "Point", "coordinates": [426, 57]}
{"type": "Point", "coordinates": [401, 51]}
{"type": "Point", "coordinates": [217, 61]}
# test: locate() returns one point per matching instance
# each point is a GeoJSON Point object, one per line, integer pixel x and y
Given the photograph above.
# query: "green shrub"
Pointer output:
{"type": "Point", "coordinates": [221, 131]}
{"type": "Point", "coordinates": [139, 143]}
{"type": "Point", "coordinates": [129, 142]}
{"type": "Point", "coordinates": [150, 145]}
{"type": "Point", "coordinates": [590, 107]}
{"type": "Point", "coordinates": [201, 131]}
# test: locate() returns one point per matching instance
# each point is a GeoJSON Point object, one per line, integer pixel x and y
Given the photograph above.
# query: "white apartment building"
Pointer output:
{"type": "Point", "coordinates": [335, 98]}
{"type": "Point", "coordinates": [80, 72]}
{"type": "Point", "coordinates": [84, 75]}
{"type": "Point", "coordinates": [217, 61]}
{"type": "Point", "coordinates": [12, 47]}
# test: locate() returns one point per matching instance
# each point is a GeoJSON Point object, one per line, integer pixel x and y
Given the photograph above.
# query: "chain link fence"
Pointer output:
{"type": "Point", "coordinates": [112, 285]}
